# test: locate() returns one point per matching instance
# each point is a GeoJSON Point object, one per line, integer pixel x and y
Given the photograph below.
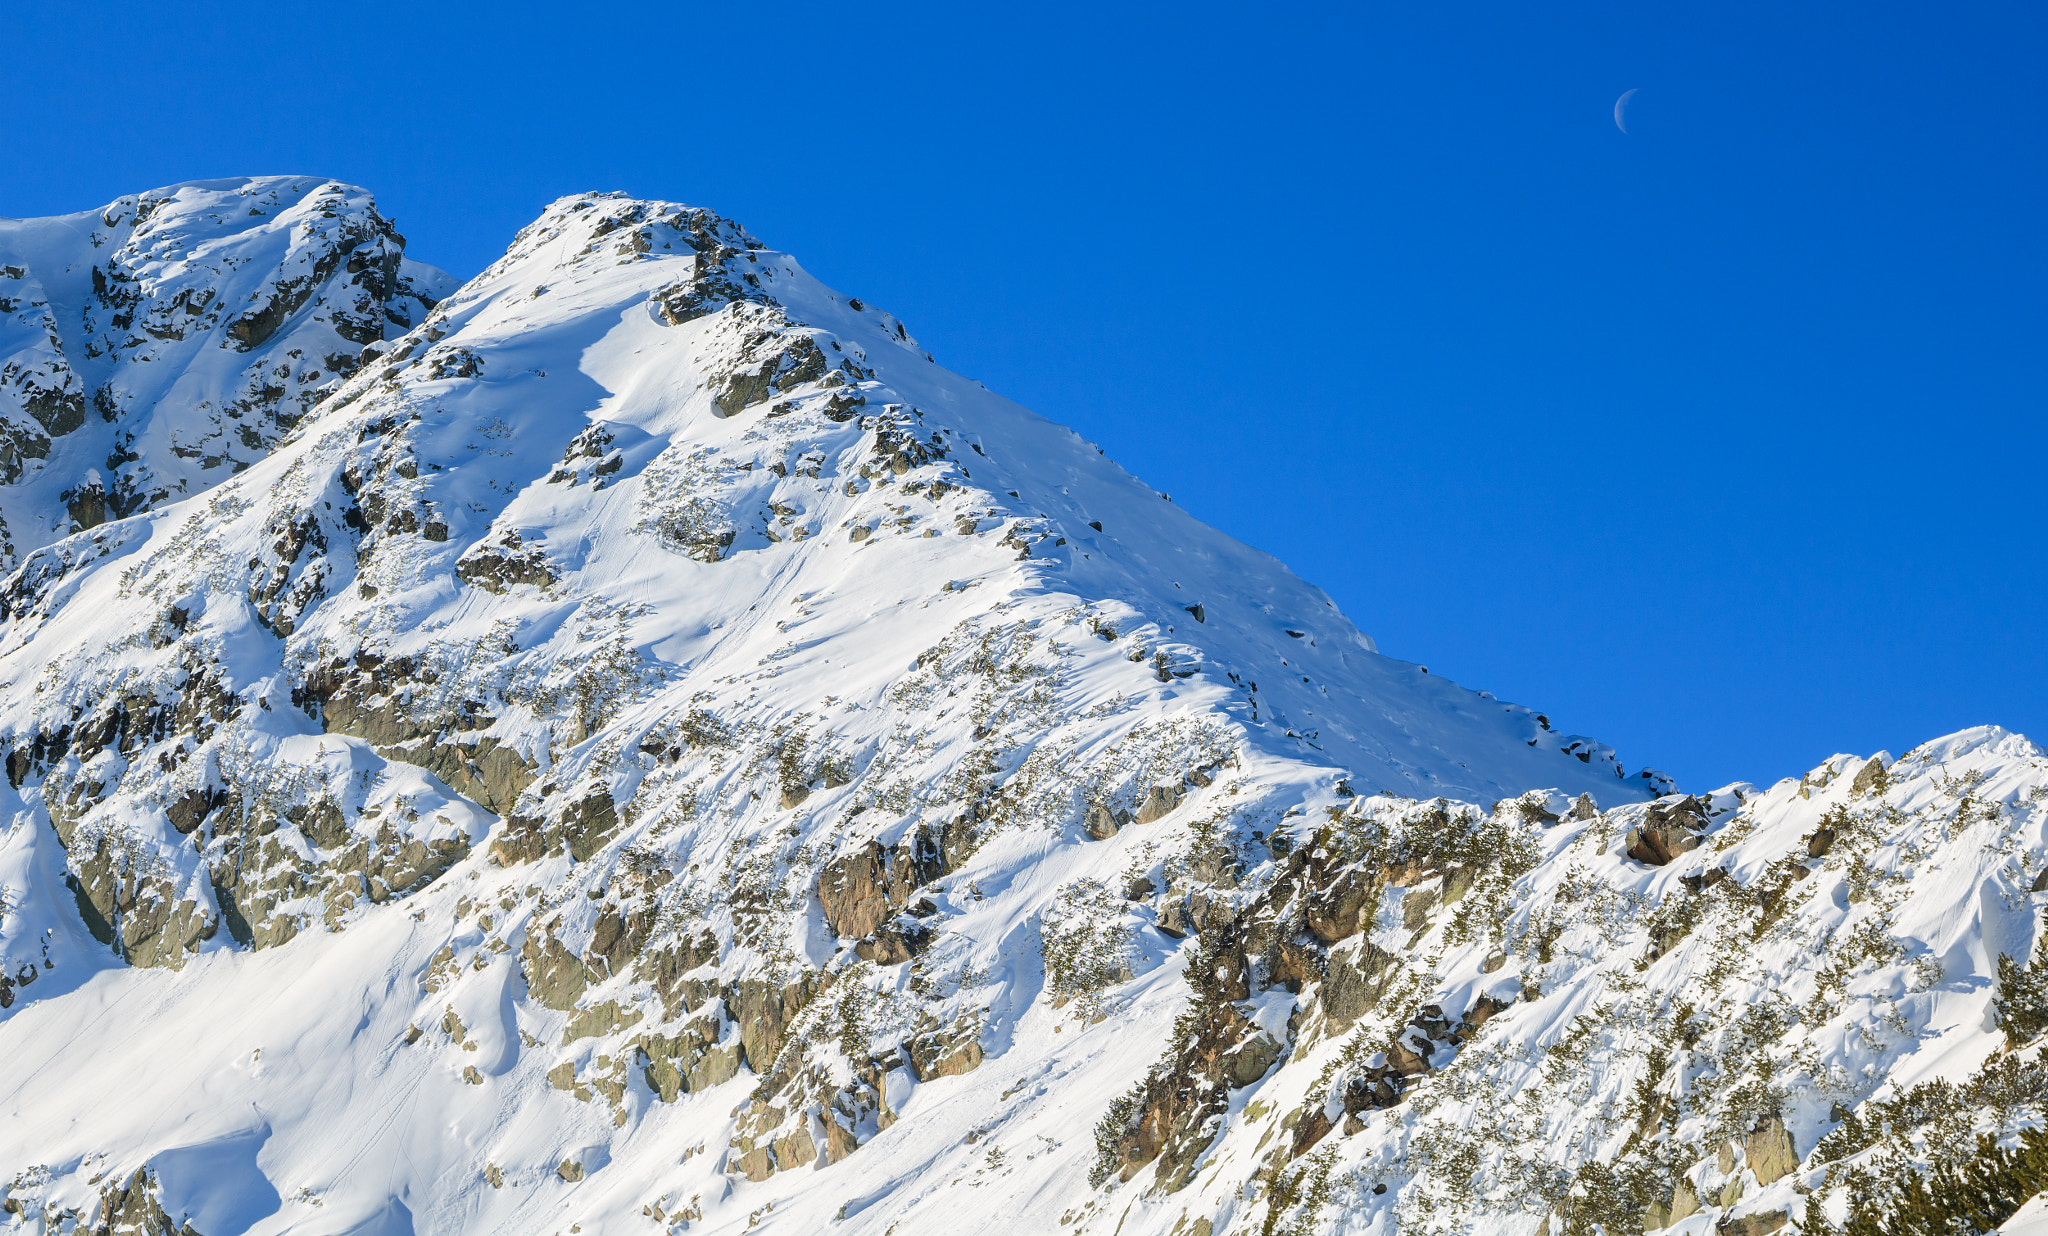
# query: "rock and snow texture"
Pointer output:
{"type": "Point", "coordinates": [653, 750]}
{"type": "Point", "coordinates": [157, 345]}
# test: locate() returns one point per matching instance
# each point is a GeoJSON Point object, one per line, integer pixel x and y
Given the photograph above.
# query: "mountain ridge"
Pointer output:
{"type": "Point", "coordinates": [235, 304]}
{"type": "Point", "coordinates": [651, 683]}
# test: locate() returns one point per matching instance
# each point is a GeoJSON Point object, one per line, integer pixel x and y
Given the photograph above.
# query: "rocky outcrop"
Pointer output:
{"type": "Point", "coordinates": [500, 566]}
{"type": "Point", "coordinates": [1171, 1119]}
{"type": "Point", "coordinates": [1871, 778]}
{"type": "Point", "coordinates": [703, 1054]}
{"type": "Point", "coordinates": [1767, 1149]}
{"type": "Point", "coordinates": [1354, 981]}
{"type": "Point", "coordinates": [862, 893]}
{"type": "Point", "coordinates": [1672, 827]}
{"type": "Point", "coordinates": [945, 1050]}
{"type": "Point", "coordinates": [133, 1206]}
{"type": "Point", "coordinates": [372, 697]}
{"type": "Point", "coordinates": [1763, 1223]}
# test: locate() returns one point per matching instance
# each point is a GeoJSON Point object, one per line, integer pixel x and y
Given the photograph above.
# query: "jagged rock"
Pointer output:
{"type": "Point", "coordinates": [1189, 912]}
{"type": "Point", "coordinates": [618, 937]}
{"type": "Point", "coordinates": [853, 890]}
{"type": "Point", "coordinates": [598, 1020]}
{"type": "Point", "coordinates": [1313, 1125]}
{"type": "Point", "coordinates": [1405, 1060]}
{"type": "Point", "coordinates": [1173, 1122]}
{"type": "Point", "coordinates": [1458, 881]}
{"type": "Point", "coordinates": [1357, 978]}
{"type": "Point", "coordinates": [756, 1163]}
{"type": "Point", "coordinates": [1700, 882]}
{"type": "Point", "coordinates": [191, 810]}
{"type": "Point", "coordinates": [391, 864]}
{"type": "Point", "coordinates": [682, 973]}
{"type": "Point", "coordinates": [860, 890]}
{"type": "Point", "coordinates": [1871, 778]}
{"type": "Point", "coordinates": [946, 1052]}
{"type": "Point", "coordinates": [1159, 801]}
{"type": "Point", "coordinates": [588, 822]}
{"type": "Point", "coordinates": [133, 1207]}
{"type": "Point", "coordinates": [840, 1141]}
{"type": "Point", "coordinates": [763, 1144]}
{"type": "Point", "coordinates": [693, 1059]}
{"type": "Point", "coordinates": [365, 697]}
{"type": "Point", "coordinates": [498, 568]}
{"type": "Point", "coordinates": [794, 1149]}
{"type": "Point", "coordinates": [1767, 1149]}
{"type": "Point", "coordinates": [894, 944]}
{"type": "Point", "coordinates": [1338, 908]}
{"type": "Point", "coordinates": [555, 975]}
{"type": "Point", "coordinates": [1416, 905]}
{"type": "Point", "coordinates": [1483, 1010]}
{"type": "Point", "coordinates": [796, 362]}
{"type": "Point", "coordinates": [763, 1011]}
{"type": "Point", "coordinates": [1295, 963]}
{"type": "Point", "coordinates": [563, 1077]}
{"type": "Point", "coordinates": [142, 916]}
{"type": "Point", "coordinates": [1671, 828]}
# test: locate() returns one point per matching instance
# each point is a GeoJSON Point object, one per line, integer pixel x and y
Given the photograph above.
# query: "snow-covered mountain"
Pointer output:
{"type": "Point", "coordinates": [650, 749]}
{"type": "Point", "coordinates": [152, 347]}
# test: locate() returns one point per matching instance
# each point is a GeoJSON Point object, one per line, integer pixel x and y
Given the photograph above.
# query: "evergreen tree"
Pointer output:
{"type": "Point", "coordinates": [1963, 1199]}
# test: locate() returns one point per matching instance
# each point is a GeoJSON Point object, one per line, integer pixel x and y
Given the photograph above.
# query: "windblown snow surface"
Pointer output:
{"type": "Point", "coordinates": [650, 750]}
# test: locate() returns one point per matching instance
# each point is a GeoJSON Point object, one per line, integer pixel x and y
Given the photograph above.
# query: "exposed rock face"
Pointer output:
{"type": "Point", "coordinates": [946, 1051]}
{"type": "Point", "coordinates": [132, 1208]}
{"type": "Point", "coordinates": [1355, 980]}
{"type": "Point", "coordinates": [1871, 778]}
{"type": "Point", "coordinates": [1768, 1151]}
{"type": "Point", "coordinates": [1221, 1051]}
{"type": "Point", "coordinates": [860, 893]}
{"type": "Point", "coordinates": [1672, 828]}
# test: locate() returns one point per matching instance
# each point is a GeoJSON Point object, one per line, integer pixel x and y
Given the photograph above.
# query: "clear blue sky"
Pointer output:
{"type": "Point", "coordinates": [1721, 441]}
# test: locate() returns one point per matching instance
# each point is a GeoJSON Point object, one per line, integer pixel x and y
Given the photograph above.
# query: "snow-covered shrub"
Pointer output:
{"type": "Point", "coordinates": [1087, 944]}
{"type": "Point", "coordinates": [2022, 1001]}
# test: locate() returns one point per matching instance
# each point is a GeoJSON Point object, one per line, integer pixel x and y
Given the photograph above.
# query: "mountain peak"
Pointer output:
{"type": "Point", "coordinates": [166, 340]}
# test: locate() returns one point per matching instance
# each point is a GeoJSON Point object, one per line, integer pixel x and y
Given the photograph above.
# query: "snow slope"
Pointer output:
{"type": "Point", "coordinates": [653, 750]}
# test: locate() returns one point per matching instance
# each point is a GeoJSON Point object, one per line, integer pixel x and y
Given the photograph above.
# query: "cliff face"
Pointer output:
{"type": "Point", "coordinates": [650, 746]}
{"type": "Point", "coordinates": [157, 345]}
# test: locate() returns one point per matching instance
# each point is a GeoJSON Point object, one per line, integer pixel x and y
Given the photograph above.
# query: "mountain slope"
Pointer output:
{"type": "Point", "coordinates": [654, 748]}
{"type": "Point", "coordinates": [158, 344]}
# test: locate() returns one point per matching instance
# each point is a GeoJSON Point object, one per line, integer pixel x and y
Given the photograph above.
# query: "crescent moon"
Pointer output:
{"type": "Point", "coordinates": [1621, 109]}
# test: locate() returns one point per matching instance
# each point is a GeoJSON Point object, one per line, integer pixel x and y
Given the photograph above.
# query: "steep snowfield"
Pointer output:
{"type": "Point", "coordinates": [154, 346]}
{"type": "Point", "coordinates": [653, 750]}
